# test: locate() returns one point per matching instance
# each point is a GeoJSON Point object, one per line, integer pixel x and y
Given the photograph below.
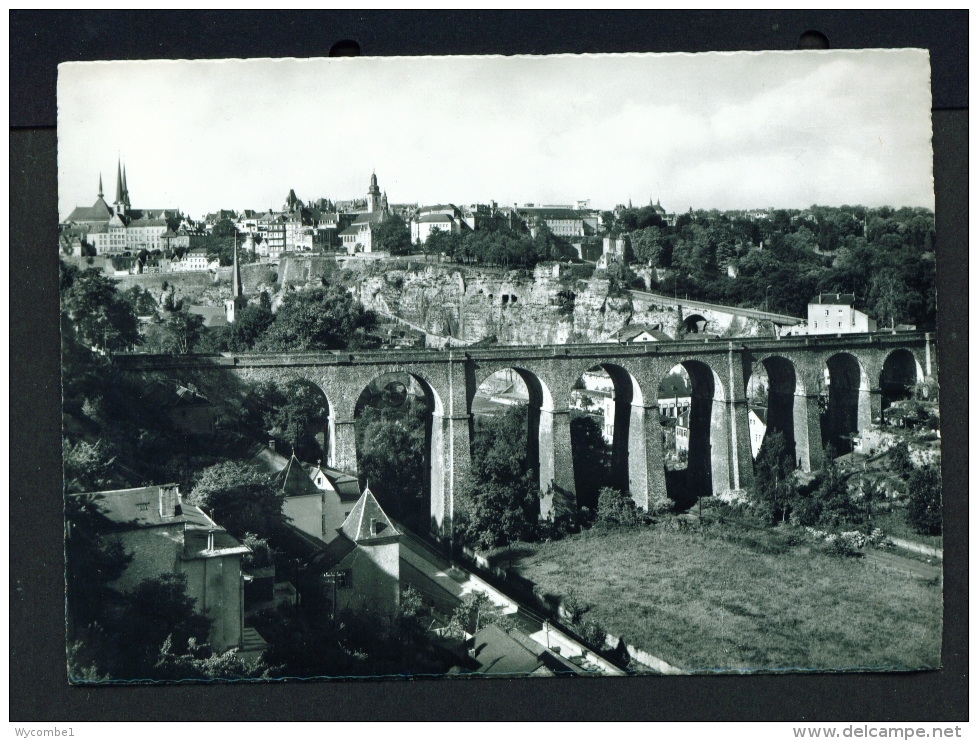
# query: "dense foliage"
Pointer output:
{"type": "Point", "coordinates": [294, 414]}
{"type": "Point", "coordinates": [390, 444]}
{"type": "Point", "coordinates": [924, 500]}
{"type": "Point", "coordinates": [499, 248]}
{"type": "Point", "coordinates": [310, 643]}
{"type": "Point", "coordinates": [392, 235]}
{"type": "Point", "coordinates": [592, 459]}
{"type": "Point", "coordinates": [324, 318]}
{"type": "Point", "coordinates": [774, 487]}
{"type": "Point", "coordinates": [884, 256]}
{"type": "Point", "coordinates": [499, 501]}
{"type": "Point", "coordinates": [240, 497]}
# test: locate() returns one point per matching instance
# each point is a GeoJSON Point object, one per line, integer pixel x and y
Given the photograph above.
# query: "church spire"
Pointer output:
{"type": "Point", "coordinates": [236, 292]}
{"type": "Point", "coordinates": [118, 182]}
{"type": "Point", "coordinates": [125, 188]}
{"type": "Point", "coordinates": [100, 185]}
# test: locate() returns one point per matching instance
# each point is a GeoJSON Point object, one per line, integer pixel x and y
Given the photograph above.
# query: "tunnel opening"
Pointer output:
{"type": "Point", "coordinates": [694, 324]}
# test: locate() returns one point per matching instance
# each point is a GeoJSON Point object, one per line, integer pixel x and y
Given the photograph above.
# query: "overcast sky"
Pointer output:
{"type": "Point", "coordinates": [719, 130]}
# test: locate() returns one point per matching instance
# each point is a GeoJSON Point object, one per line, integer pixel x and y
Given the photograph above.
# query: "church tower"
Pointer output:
{"type": "Point", "coordinates": [125, 189]}
{"type": "Point", "coordinates": [119, 204]}
{"type": "Point", "coordinates": [373, 195]}
{"type": "Point", "coordinates": [237, 301]}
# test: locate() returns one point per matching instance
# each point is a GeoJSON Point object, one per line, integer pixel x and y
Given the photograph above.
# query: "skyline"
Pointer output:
{"type": "Point", "coordinates": [720, 130]}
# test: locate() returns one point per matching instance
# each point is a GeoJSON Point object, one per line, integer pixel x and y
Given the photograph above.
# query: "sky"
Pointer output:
{"type": "Point", "coordinates": [719, 130]}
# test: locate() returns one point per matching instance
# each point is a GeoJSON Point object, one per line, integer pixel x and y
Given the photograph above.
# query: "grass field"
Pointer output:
{"type": "Point", "coordinates": [735, 599]}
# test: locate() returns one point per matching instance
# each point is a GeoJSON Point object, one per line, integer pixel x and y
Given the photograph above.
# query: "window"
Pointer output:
{"type": "Point", "coordinates": [840, 324]}
{"type": "Point", "coordinates": [344, 579]}
{"type": "Point", "coordinates": [826, 312]}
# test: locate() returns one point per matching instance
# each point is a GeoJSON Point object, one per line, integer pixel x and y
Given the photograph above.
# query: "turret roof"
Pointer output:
{"type": "Point", "coordinates": [367, 522]}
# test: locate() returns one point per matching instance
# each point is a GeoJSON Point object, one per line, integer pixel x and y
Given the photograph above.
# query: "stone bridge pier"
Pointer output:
{"type": "Point", "coordinates": [840, 375]}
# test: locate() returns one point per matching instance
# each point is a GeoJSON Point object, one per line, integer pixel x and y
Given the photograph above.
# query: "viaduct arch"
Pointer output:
{"type": "Point", "coordinates": [720, 370]}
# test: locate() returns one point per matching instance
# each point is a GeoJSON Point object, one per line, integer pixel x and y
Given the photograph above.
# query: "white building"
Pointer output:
{"type": "Point", "coordinates": [833, 313]}
{"type": "Point", "coordinates": [757, 425]}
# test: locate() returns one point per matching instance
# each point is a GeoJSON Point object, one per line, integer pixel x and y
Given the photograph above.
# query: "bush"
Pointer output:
{"type": "Point", "coordinates": [617, 509]}
{"type": "Point", "coordinates": [845, 544]}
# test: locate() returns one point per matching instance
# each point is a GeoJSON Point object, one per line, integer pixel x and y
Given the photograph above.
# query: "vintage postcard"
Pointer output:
{"type": "Point", "coordinates": [510, 366]}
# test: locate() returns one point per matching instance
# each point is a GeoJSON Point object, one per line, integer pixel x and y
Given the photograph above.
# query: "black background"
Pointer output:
{"type": "Point", "coordinates": [40, 40]}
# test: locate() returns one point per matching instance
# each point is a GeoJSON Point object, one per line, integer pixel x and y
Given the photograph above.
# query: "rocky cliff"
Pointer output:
{"type": "Point", "coordinates": [515, 308]}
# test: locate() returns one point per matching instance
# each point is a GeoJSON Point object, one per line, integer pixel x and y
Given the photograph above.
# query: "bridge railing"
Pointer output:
{"type": "Point", "coordinates": [597, 351]}
{"type": "Point", "coordinates": [738, 311]}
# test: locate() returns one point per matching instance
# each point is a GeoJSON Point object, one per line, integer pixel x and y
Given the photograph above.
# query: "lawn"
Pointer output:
{"type": "Point", "coordinates": [736, 599]}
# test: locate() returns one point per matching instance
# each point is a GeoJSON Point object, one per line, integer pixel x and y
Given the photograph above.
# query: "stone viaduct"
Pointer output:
{"type": "Point", "coordinates": [850, 367]}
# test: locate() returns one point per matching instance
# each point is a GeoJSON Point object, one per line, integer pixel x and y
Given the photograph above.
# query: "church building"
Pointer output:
{"type": "Point", "coordinates": [122, 228]}
{"type": "Point", "coordinates": [358, 237]}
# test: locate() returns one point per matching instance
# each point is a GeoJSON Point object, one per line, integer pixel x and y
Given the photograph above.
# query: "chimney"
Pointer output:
{"type": "Point", "coordinates": [373, 525]}
{"type": "Point", "coordinates": [271, 445]}
{"type": "Point", "coordinates": [210, 540]}
{"type": "Point", "coordinates": [170, 500]}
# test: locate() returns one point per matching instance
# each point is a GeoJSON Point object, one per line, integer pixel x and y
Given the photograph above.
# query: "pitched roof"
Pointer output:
{"type": "Point", "coordinates": [497, 652]}
{"type": "Point", "coordinates": [369, 217]}
{"type": "Point", "coordinates": [100, 211]}
{"type": "Point", "coordinates": [367, 522]}
{"type": "Point", "coordinates": [835, 298]}
{"type": "Point", "coordinates": [147, 506]}
{"type": "Point", "coordinates": [214, 316]}
{"type": "Point", "coordinates": [632, 331]}
{"type": "Point", "coordinates": [673, 385]}
{"type": "Point", "coordinates": [348, 487]}
{"type": "Point", "coordinates": [295, 481]}
{"type": "Point", "coordinates": [171, 394]}
{"type": "Point", "coordinates": [434, 218]}
{"type": "Point", "coordinates": [554, 214]}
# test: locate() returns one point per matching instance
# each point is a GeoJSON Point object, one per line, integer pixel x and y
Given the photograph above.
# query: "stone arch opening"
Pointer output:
{"type": "Point", "coordinates": [694, 420]}
{"type": "Point", "coordinates": [607, 424]}
{"type": "Point", "coordinates": [397, 445]}
{"type": "Point", "coordinates": [297, 416]}
{"type": "Point", "coordinates": [899, 375]}
{"type": "Point", "coordinates": [695, 324]}
{"type": "Point", "coordinates": [517, 390]}
{"type": "Point", "coordinates": [846, 402]}
{"type": "Point", "coordinates": [772, 407]}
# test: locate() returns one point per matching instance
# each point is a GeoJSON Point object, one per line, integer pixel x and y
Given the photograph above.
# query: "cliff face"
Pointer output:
{"type": "Point", "coordinates": [538, 310]}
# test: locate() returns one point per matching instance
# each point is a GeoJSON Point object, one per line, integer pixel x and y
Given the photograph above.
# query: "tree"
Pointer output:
{"type": "Point", "coordinates": [924, 502]}
{"type": "Point", "coordinates": [592, 457]}
{"type": "Point", "coordinates": [499, 501]}
{"type": "Point", "coordinates": [92, 562]}
{"type": "Point", "coordinates": [392, 235]}
{"type": "Point", "coordinates": [95, 312]}
{"type": "Point", "coordinates": [774, 486]}
{"type": "Point", "coordinates": [651, 246]}
{"type": "Point", "coordinates": [248, 327]}
{"type": "Point", "coordinates": [294, 414]}
{"type": "Point", "coordinates": [240, 497]}
{"type": "Point", "coordinates": [390, 443]}
{"type": "Point", "coordinates": [182, 331]}
{"type": "Point", "coordinates": [901, 461]}
{"type": "Point", "coordinates": [836, 504]}
{"type": "Point", "coordinates": [157, 611]}
{"type": "Point", "coordinates": [474, 612]}
{"type": "Point", "coordinates": [324, 318]}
